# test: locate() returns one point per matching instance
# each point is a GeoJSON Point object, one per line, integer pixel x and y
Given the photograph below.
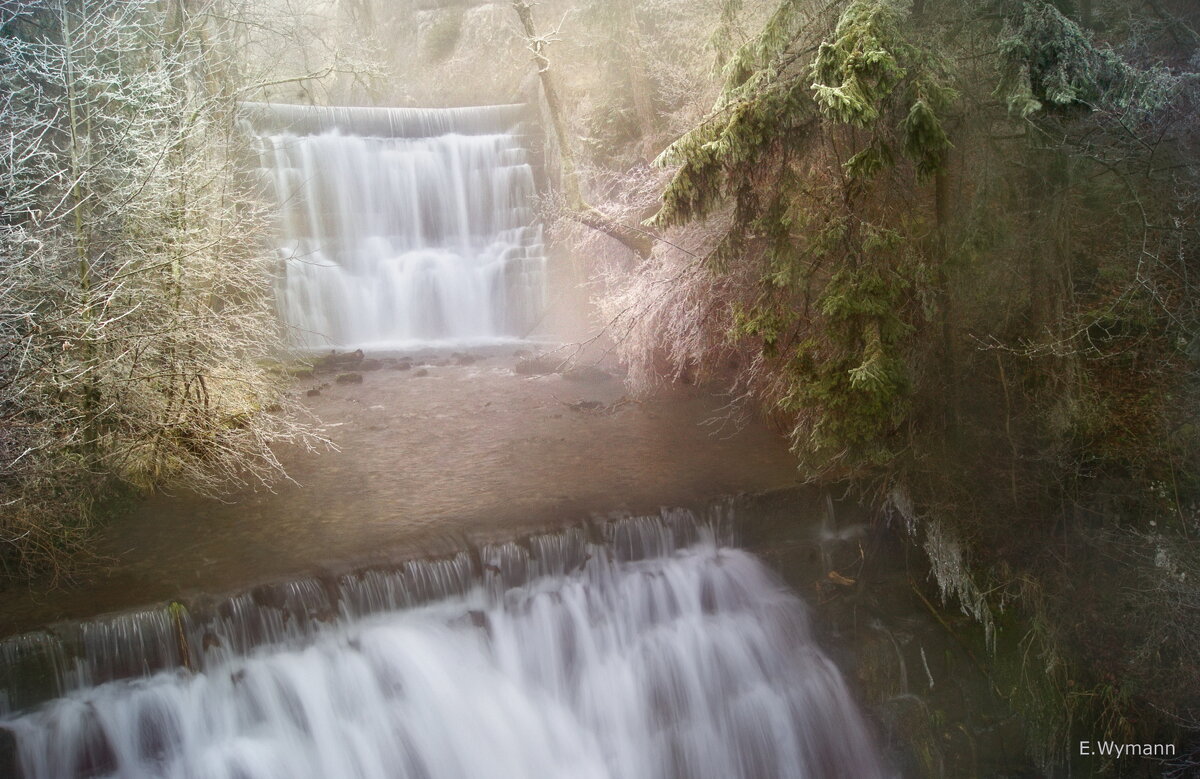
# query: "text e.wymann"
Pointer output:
{"type": "Point", "coordinates": [1113, 749]}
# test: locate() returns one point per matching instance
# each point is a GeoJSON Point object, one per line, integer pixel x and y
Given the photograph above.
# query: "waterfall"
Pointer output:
{"type": "Point", "coordinates": [399, 226]}
{"type": "Point", "coordinates": [640, 648]}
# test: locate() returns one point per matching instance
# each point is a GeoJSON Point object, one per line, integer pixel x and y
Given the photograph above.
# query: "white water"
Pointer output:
{"type": "Point", "coordinates": [401, 226]}
{"type": "Point", "coordinates": [696, 663]}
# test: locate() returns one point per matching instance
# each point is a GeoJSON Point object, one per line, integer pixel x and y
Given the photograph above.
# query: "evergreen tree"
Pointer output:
{"type": "Point", "coordinates": [956, 250]}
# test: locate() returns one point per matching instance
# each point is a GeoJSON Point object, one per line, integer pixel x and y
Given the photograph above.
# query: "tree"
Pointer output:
{"type": "Point", "coordinates": [952, 246]}
{"type": "Point", "coordinates": [638, 241]}
{"type": "Point", "coordinates": [808, 152]}
{"type": "Point", "coordinates": [135, 310]}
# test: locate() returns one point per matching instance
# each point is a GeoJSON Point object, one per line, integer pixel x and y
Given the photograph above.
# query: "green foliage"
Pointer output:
{"type": "Point", "coordinates": [925, 140]}
{"type": "Point", "coordinates": [963, 262]}
{"type": "Point", "coordinates": [858, 388]}
{"type": "Point", "coordinates": [1048, 61]}
{"type": "Point", "coordinates": [838, 275]}
{"type": "Point", "coordinates": [721, 40]}
{"type": "Point", "coordinates": [857, 69]}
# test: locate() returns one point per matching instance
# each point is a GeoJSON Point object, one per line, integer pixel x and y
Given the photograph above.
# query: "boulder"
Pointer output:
{"type": "Point", "coordinates": [535, 366]}
{"type": "Point", "coordinates": [587, 374]}
{"type": "Point", "coordinates": [334, 361]}
{"type": "Point", "coordinates": [349, 378]}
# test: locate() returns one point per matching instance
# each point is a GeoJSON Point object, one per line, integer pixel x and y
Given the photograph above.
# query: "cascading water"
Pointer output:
{"type": "Point", "coordinates": [654, 651]}
{"type": "Point", "coordinates": [402, 225]}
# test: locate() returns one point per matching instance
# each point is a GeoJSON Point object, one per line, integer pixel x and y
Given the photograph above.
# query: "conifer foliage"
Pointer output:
{"type": "Point", "coordinates": [954, 247]}
{"type": "Point", "coordinates": [809, 149]}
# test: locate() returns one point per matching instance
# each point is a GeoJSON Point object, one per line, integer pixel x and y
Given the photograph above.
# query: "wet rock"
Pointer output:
{"type": "Point", "coordinates": [909, 720]}
{"type": "Point", "coordinates": [467, 359]}
{"type": "Point", "coordinates": [402, 366]}
{"type": "Point", "coordinates": [305, 373]}
{"type": "Point", "coordinates": [334, 361]}
{"type": "Point", "coordinates": [312, 393]}
{"type": "Point", "coordinates": [266, 596]}
{"type": "Point", "coordinates": [587, 374]}
{"type": "Point", "coordinates": [421, 372]}
{"type": "Point", "coordinates": [349, 378]}
{"type": "Point", "coordinates": [475, 619]}
{"type": "Point", "coordinates": [8, 753]}
{"type": "Point", "coordinates": [535, 366]}
{"type": "Point", "coordinates": [94, 753]}
{"type": "Point", "coordinates": [370, 365]}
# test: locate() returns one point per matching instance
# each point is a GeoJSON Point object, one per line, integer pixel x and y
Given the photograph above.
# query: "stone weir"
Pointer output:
{"type": "Point", "coordinates": [633, 647]}
{"type": "Point", "coordinates": [388, 122]}
{"type": "Point", "coordinates": [210, 630]}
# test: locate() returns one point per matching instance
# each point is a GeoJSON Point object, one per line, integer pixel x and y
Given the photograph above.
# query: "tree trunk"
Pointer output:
{"type": "Point", "coordinates": [950, 368]}
{"type": "Point", "coordinates": [640, 88]}
{"type": "Point", "coordinates": [570, 176]}
{"type": "Point", "coordinates": [639, 242]}
{"type": "Point", "coordinates": [79, 151]}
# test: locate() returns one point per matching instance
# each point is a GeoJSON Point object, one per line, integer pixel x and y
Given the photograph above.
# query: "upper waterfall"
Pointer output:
{"type": "Point", "coordinates": [402, 225]}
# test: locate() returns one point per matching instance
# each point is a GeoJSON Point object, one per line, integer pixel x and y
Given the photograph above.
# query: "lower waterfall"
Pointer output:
{"type": "Point", "coordinates": [653, 651]}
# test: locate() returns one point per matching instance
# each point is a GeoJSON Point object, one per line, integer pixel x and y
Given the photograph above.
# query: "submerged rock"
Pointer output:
{"type": "Point", "coordinates": [535, 366]}
{"type": "Point", "coordinates": [587, 374]}
{"type": "Point", "coordinates": [334, 361]}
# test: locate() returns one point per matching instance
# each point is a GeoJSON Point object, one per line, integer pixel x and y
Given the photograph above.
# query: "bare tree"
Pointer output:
{"type": "Point", "coordinates": [136, 327]}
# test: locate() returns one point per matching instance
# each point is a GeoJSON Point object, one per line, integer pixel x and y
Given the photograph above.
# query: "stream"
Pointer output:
{"type": "Point", "coordinates": [479, 579]}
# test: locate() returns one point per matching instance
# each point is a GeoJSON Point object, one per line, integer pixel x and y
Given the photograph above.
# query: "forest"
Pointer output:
{"type": "Point", "coordinates": [948, 249]}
